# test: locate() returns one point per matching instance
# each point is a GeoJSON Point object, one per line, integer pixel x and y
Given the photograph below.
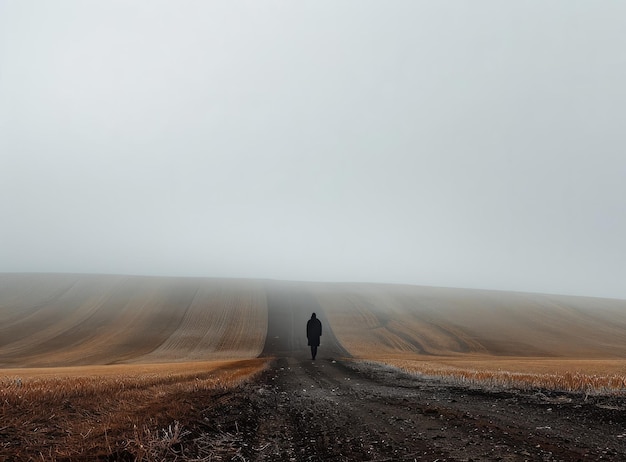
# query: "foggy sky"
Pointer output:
{"type": "Point", "coordinates": [452, 143]}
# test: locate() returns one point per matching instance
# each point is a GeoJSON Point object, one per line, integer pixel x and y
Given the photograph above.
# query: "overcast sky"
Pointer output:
{"type": "Point", "coordinates": [451, 143]}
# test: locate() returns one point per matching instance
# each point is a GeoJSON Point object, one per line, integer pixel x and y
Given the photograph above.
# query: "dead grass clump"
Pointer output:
{"type": "Point", "coordinates": [150, 445]}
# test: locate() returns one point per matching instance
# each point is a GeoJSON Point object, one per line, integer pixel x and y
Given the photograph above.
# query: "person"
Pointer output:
{"type": "Point", "coordinates": [313, 334]}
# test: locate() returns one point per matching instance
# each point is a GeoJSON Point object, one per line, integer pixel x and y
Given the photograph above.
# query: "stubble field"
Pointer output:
{"type": "Point", "coordinates": [139, 368]}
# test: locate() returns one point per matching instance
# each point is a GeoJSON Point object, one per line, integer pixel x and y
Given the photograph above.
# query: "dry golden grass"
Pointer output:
{"type": "Point", "coordinates": [572, 375]}
{"type": "Point", "coordinates": [67, 382]}
{"type": "Point", "coordinates": [75, 412]}
{"type": "Point", "coordinates": [563, 374]}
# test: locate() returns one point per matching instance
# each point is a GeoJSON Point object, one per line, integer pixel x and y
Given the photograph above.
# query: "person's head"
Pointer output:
{"type": "Point", "coordinates": [313, 316]}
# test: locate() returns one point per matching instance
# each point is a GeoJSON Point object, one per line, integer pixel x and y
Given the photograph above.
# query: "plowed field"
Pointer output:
{"type": "Point", "coordinates": [390, 320]}
{"type": "Point", "coordinates": [66, 320]}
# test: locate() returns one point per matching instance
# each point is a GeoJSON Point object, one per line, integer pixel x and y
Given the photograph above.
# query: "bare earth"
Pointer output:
{"type": "Point", "coordinates": [342, 410]}
{"type": "Point", "coordinates": [338, 411]}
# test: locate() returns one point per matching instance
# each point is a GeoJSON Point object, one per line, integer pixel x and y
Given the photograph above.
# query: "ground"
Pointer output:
{"type": "Point", "coordinates": [339, 409]}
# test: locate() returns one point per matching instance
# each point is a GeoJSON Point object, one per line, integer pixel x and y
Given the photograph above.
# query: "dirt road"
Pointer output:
{"type": "Point", "coordinates": [340, 410]}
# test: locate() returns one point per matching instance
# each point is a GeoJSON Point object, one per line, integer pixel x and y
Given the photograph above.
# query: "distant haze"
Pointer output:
{"type": "Point", "coordinates": [467, 144]}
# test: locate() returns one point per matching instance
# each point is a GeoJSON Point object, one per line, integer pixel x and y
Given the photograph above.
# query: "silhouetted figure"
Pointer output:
{"type": "Point", "coordinates": [313, 333]}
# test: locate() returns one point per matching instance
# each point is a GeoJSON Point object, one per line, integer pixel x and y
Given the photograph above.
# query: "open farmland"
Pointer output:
{"type": "Point", "coordinates": [503, 338]}
{"type": "Point", "coordinates": [389, 320]}
{"type": "Point", "coordinates": [69, 320]}
{"type": "Point", "coordinates": [122, 411]}
{"type": "Point", "coordinates": [133, 368]}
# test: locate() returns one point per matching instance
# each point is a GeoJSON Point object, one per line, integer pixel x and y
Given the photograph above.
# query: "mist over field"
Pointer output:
{"type": "Point", "coordinates": [465, 144]}
{"type": "Point", "coordinates": [80, 320]}
{"type": "Point", "coordinates": [161, 368]}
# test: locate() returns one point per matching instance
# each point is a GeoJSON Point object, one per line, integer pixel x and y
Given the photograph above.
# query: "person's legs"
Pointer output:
{"type": "Point", "coordinates": [313, 352]}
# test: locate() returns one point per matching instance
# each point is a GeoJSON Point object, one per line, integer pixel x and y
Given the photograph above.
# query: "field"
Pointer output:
{"type": "Point", "coordinates": [129, 411]}
{"type": "Point", "coordinates": [66, 320]}
{"type": "Point", "coordinates": [144, 368]}
{"type": "Point", "coordinates": [504, 338]}
{"type": "Point", "coordinates": [391, 320]}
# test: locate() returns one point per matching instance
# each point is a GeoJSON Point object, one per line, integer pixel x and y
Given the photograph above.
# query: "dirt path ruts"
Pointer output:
{"type": "Point", "coordinates": [289, 308]}
{"type": "Point", "coordinates": [336, 409]}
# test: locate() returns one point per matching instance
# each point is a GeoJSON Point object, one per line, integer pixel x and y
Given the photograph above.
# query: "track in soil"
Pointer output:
{"type": "Point", "coordinates": [289, 308]}
{"type": "Point", "coordinates": [335, 409]}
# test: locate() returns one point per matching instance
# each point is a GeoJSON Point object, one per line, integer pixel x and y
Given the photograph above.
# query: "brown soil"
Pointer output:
{"type": "Point", "coordinates": [341, 411]}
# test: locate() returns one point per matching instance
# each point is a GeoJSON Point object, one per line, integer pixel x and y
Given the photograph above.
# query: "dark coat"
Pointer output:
{"type": "Point", "coordinates": [314, 331]}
